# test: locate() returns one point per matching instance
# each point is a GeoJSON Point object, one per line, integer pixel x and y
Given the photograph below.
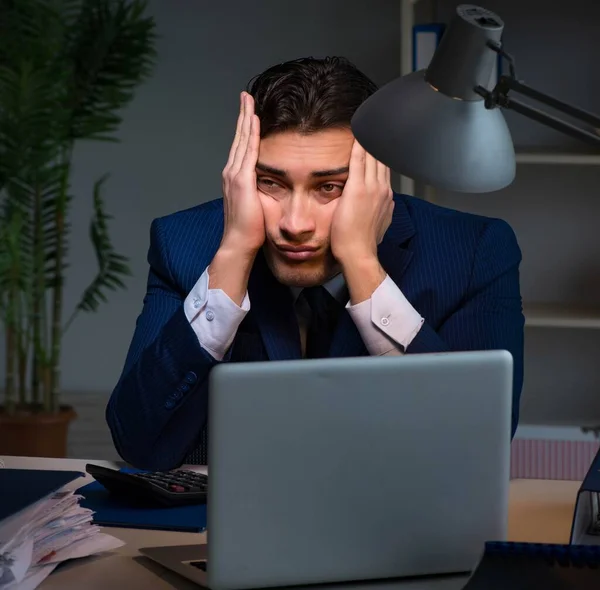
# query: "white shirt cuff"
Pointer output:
{"type": "Point", "coordinates": [214, 316]}
{"type": "Point", "coordinates": [387, 322]}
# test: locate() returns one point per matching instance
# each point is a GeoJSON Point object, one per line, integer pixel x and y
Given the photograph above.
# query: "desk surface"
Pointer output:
{"type": "Point", "coordinates": [539, 511]}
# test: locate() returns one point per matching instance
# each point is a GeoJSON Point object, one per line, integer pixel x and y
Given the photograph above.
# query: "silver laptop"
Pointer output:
{"type": "Point", "coordinates": [351, 469]}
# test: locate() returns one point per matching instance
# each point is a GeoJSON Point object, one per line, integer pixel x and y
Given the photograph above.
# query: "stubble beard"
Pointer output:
{"type": "Point", "coordinates": [306, 273]}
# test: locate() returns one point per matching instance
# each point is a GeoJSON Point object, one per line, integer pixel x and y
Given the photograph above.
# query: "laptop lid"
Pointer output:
{"type": "Point", "coordinates": [363, 468]}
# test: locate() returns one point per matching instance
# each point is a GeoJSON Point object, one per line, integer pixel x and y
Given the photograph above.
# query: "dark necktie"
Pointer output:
{"type": "Point", "coordinates": [325, 312]}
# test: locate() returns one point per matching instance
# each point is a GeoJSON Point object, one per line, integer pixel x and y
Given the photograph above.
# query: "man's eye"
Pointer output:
{"type": "Point", "coordinates": [330, 188]}
{"type": "Point", "coordinates": [266, 183]}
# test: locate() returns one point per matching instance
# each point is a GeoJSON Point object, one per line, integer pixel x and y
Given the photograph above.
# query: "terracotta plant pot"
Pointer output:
{"type": "Point", "coordinates": [35, 434]}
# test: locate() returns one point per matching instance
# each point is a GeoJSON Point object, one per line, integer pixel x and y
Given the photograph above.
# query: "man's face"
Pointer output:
{"type": "Point", "coordinates": [300, 179]}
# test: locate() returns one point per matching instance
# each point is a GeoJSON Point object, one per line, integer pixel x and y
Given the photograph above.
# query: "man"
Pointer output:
{"type": "Point", "coordinates": [308, 254]}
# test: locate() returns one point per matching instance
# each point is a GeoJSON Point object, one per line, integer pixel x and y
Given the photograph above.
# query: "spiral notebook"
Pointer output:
{"type": "Point", "coordinates": [585, 529]}
{"type": "Point", "coordinates": [533, 566]}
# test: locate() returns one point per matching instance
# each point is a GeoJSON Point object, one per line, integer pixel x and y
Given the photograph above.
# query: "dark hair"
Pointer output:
{"type": "Point", "coordinates": [309, 94]}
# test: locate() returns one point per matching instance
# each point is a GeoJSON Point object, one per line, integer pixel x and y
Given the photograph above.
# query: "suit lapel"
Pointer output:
{"type": "Point", "coordinates": [393, 254]}
{"type": "Point", "coordinates": [394, 258]}
{"type": "Point", "coordinates": [347, 340]}
{"type": "Point", "coordinates": [273, 310]}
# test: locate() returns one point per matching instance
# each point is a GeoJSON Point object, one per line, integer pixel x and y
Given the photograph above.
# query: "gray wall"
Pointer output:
{"type": "Point", "coordinates": [176, 135]}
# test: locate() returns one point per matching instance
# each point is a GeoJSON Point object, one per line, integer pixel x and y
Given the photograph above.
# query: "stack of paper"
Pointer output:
{"type": "Point", "coordinates": [37, 539]}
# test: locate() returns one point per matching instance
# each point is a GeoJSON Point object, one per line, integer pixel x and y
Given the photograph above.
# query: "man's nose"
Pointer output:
{"type": "Point", "coordinates": [298, 220]}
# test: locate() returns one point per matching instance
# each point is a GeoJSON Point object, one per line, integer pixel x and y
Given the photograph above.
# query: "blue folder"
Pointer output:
{"type": "Point", "coordinates": [110, 510]}
{"type": "Point", "coordinates": [21, 488]}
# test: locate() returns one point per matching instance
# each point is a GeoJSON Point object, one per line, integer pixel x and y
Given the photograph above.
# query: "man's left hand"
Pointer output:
{"type": "Point", "coordinates": [364, 211]}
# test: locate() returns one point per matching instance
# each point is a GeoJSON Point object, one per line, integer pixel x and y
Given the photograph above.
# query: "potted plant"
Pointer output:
{"type": "Point", "coordinates": [67, 69]}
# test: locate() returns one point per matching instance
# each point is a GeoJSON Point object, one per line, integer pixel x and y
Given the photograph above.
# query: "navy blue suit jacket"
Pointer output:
{"type": "Point", "coordinates": [460, 271]}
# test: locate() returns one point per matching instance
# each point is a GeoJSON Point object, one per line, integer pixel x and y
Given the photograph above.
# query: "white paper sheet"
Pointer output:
{"type": "Point", "coordinates": [51, 531]}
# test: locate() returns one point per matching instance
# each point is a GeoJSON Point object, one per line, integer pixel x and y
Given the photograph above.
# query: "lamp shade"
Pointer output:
{"type": "Point", "coordinates": [432, 126]}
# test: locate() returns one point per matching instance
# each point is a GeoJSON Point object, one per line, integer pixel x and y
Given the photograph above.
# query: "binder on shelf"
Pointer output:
{"type": "Point", "coordinates": [496, 73]}
{"type": "Point", "coordinates": [585, 528]}
{"type": "Point", "coordinates": [426, 38]}
{"type": "Point", "coordinates": [523, 566]}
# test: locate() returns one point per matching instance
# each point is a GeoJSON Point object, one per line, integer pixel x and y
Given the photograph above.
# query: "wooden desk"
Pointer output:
{"type": "Point", "coordinates": [540, 511]}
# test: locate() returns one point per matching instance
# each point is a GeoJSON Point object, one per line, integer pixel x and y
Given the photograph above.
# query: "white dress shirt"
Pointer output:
{"type": "Point", "coordinates": [387, 322]}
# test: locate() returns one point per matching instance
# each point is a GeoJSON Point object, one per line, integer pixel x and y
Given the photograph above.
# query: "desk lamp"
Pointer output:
{"type": "Point", "coordinates": [441, 125]}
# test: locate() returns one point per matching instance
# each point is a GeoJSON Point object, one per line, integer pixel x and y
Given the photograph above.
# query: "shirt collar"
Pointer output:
{"type": "Point", "coordinates": [336, 286]}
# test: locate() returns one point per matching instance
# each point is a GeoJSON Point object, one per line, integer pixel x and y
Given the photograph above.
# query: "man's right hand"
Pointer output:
{"type": "Point", "coordinates": [244, 223]}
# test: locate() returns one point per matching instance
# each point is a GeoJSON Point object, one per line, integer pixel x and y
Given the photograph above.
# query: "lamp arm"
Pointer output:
{"type": "Point", "coordinates": [499, 97]}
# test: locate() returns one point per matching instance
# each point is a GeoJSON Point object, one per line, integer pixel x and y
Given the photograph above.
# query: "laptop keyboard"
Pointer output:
{"type": "Point", "coordinates": [201, 564]}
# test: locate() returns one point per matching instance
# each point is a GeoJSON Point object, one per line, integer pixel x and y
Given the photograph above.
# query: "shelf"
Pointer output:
{"type": "Point", "coordinates": [543, 315]}
{"type": "Point", "coordinates": [549, 156]}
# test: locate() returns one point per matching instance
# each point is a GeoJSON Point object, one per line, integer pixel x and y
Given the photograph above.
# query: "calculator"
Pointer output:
{"type": "Point", "coordinates": [178, 487]}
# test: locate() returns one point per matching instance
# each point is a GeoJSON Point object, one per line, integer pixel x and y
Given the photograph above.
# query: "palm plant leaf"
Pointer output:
{"type": "Point", "coordinates": [14, 271]}
{"type": "Point", "coordinates": [67, 70]}
{"type": "Point", "coordinates": [111, 47]}
{"type": "Point", "coordinates": [111, 266]}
